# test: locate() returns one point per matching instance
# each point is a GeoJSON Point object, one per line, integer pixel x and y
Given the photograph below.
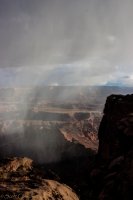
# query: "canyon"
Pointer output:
{"type": "Point", "coordinates": [68, 138]}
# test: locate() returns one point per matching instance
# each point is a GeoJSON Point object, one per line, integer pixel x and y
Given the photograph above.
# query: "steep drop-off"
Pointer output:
{"type": "Point", "coordinates": [112, 174]}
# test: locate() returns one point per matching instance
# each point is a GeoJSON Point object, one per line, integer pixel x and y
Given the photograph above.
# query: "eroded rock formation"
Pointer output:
{"type": "Point", "coordinates": [112, 174]}
{"type": "Point", "coordinates": [19, 179]}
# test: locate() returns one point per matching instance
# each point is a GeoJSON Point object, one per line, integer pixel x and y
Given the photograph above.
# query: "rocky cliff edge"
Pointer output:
{"type": "Point", "coordinates": [112, 174]}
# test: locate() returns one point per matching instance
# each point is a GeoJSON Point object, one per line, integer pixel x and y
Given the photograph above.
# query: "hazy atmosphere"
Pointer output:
{"type": "Point", "coordinates": [66, 99]}
{"type": "Point", "coordinates": [66, 42]}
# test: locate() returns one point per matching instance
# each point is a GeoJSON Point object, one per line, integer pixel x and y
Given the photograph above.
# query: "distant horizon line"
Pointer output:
{"type": "Point", "coordinates": [30, 86]}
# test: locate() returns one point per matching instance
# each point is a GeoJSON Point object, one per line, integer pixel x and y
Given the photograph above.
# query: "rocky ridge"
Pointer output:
{"type": "Point", "coordinates": [20, 179]}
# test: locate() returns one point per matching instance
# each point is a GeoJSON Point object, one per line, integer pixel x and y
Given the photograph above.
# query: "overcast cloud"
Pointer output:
{"type": "Point", "coordinates": [70, 42]}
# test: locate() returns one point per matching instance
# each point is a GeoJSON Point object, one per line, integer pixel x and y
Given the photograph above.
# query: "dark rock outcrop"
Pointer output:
{"type": "Point", "coordinates": [116, 128]}
{"type": "Point", "coordinates": [112, 174]}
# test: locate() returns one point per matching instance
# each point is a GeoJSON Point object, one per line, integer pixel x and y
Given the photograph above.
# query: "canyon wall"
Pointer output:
{"type": "Point", "coordinates": [112, 173]}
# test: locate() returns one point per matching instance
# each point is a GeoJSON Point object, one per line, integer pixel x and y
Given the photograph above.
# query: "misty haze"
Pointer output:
{"type": "Point", "coordinates": [66, 84]}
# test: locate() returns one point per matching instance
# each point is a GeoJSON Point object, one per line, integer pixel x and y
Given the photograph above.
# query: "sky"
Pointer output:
{"type": "Point", "coordinates": [66, 42]}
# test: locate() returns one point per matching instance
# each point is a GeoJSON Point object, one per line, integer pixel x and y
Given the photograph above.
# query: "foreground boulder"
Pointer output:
{"type": "Point", "coordinates": [19, 179]}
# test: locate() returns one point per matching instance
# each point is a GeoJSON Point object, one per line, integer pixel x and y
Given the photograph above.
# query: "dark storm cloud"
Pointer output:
{"type": "Point", "coordinates": [46, 33]}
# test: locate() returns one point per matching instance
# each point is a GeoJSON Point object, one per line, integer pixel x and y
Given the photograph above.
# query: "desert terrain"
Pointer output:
{"type": "Point", "coordinates": [56, 127]}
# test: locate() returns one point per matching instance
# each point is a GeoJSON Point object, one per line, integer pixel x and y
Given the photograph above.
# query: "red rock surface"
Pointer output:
{"type": "Point", "coordinates": [19, 179]}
